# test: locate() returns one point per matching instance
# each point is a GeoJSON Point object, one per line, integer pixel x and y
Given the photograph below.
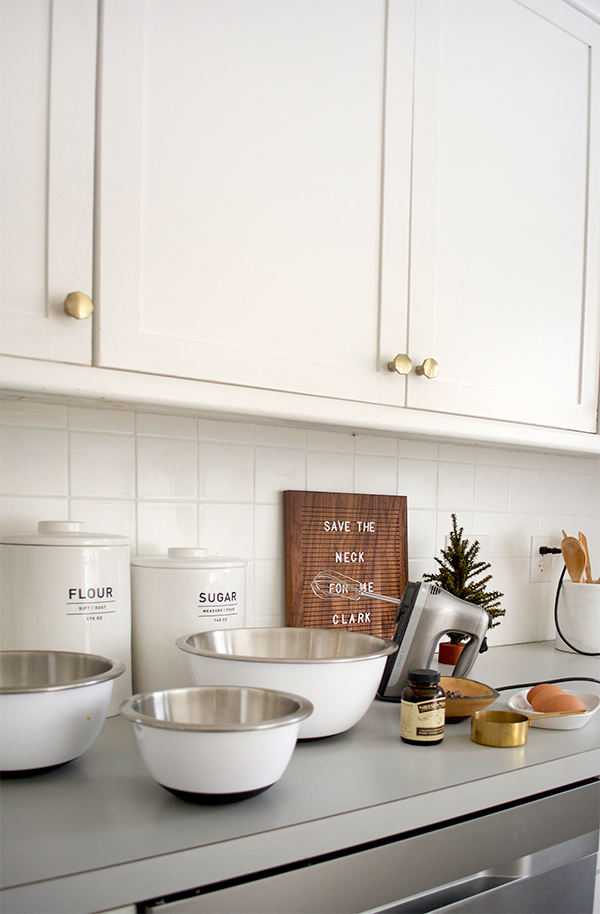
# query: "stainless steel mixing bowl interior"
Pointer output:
{"type": "Point", "coordinates": [287, 645]}
{"type": "Point", "coordinates": [216, 708]}
{"type": "Point", "coordinates": [43, 671]}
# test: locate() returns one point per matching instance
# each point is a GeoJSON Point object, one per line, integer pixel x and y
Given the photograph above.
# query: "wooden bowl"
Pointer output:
{"type": "Point", "coordinates": [475, 696]}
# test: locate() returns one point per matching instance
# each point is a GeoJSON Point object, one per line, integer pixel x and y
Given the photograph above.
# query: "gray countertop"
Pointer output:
{"type": "Point", "coordinates": [100, 833]}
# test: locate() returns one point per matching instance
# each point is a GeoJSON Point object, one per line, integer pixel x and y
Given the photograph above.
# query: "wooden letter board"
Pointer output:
{"type": "Point", "coordinates": [361, 536]}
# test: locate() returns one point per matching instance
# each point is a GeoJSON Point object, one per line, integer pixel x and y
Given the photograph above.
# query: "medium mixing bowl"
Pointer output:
{"type": "Point", "coordinates": [338, 671]}
{"type": "Point", "coordinates": [216, 744]}
{"type": "Point", "coordinates": [52, 705]}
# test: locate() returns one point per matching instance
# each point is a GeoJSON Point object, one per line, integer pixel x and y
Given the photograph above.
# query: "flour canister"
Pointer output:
{"type": "Point", "coordinates": [66, 589]}
{"type": "Point", "coordinates": [176, 594]}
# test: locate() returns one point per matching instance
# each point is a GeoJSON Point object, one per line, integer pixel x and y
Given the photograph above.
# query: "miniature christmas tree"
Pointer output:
{"type": "Point", "coordinates": [457, 570]}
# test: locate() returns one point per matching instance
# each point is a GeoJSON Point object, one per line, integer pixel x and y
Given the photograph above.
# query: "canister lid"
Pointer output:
{"type": "Point", "coordinates": [182, 557]}
{"type": "Point", "coordinates": [63, 533]}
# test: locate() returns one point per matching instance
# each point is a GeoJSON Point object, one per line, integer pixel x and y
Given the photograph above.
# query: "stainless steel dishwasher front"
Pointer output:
{"type": "Point", "coordinates": [538, 856]}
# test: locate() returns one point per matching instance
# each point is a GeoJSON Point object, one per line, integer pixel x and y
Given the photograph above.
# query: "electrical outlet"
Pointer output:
{"type": "Point", "coordinates": [540, 566]}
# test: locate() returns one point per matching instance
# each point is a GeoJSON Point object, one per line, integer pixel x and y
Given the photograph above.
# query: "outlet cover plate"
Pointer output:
{"type": "Point", "coordinates": [540, 566]}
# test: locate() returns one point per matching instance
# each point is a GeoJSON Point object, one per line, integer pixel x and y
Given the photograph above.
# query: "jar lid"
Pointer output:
{"type": "Point", "coordinates": [63, 533]}
{"type": "Point", "coordinates": [424, 677]}
{"type": "Point", "coordinates": [182, 557]}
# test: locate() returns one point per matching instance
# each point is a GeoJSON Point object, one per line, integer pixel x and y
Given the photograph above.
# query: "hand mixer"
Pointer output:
{"type": "Point", "coordinates": [425, 614]}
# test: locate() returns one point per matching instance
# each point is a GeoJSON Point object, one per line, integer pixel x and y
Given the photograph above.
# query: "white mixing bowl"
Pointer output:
{"type": "Point", "coordinates": [216, 744]}
{"type": "Point", "coordinates": [338, 671]}
{"type": "Point", "coordinates": [52, 706]}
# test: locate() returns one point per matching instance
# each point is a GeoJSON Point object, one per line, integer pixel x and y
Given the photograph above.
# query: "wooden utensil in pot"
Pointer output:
{"type": "Point", "coordinates": [574, 558]}
{"type": "Point", "coordinates": [588, 570]}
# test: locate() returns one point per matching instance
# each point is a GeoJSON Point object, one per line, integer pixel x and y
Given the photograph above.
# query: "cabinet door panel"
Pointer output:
{"type": "Point", "coordinates": [240, 192]}
{"type": "Point", "coordinates": [505, 218]}
{"type": "Point", "coordinates": [48, 79]}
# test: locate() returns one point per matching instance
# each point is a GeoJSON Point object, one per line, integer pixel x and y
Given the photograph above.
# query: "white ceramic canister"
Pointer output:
{"type": "Point", "coordinates": [66, 589]}
{"type": "Point", "coordinates": [176, 594]}
{"type": "Point", "coordinates": [579, 618]}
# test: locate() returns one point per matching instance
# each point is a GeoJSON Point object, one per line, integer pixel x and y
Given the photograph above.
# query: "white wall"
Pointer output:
{"type": "Point", "coordinates": [176, 481]}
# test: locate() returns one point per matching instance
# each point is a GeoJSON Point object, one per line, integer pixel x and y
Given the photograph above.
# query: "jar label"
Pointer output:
{"type": "Point", "coordinates": [219, 607]}
{"type": "Point", "coordinates": [423, 721]}
{"type": "Point", "coordinates": [91, 603]}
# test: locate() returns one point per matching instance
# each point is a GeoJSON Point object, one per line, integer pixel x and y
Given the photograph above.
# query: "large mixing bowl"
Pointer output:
{"type": "Point", "coordinates": [216, 744]}
{"type": "Point", "coordinates": [52, 706]}
{"type": "Point", "coordinates": [338, 671]}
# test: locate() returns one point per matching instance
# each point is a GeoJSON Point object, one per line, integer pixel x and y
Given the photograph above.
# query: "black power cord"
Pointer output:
{"type": "Point", "coordinates": [544, 550]}
{"type": "Point", "coordinates": [526, 685]}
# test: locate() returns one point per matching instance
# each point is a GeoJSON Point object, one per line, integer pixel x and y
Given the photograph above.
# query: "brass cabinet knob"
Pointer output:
{"type": "Point", "coordinates": [429, 369]}
{"type": "Point", "coordinates": [78, 305]}
{"type": "Point", "coordinates": [402, 364]}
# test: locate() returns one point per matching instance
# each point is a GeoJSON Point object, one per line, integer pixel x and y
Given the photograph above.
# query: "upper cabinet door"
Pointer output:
{"type": "Point", "coordinates": [505, 222]}
{"type": "Point", "coordinates": [47, 110]}
{"type": "Point", "coordinates": [240, 177]}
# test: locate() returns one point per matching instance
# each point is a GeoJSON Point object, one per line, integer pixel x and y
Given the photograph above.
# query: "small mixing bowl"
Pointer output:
{"type": "Point", "coordinates": [53, 705]}
{"type": "Point", "coordinates": [474, 696]}
{"type": "Point", "coordinates": [338, 671]}
{"type": "Point", "coordinates": [216, 744]}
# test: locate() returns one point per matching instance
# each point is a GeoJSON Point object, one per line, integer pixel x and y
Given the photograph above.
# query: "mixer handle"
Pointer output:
{"type": "Point", "coordinates": [467, 658]}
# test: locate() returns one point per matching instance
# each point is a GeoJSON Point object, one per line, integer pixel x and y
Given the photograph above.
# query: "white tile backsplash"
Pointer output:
{"type": "Point", "coordinates": [168, 426]}
{"type": "Point", "coordinates": [524, 490]}
{"type": "Point", "coordinates": [167, 468]}
{"type": "Point", "coordinates": [227, 529]}
{"type": "Point", "coordinates": [555, 492]}
{"type": "Point", "coordinates": [491, 488]}
{"type": "Point", "coordinates": [418, 480]}
{"type": "Point", "coordinates": [101, 465]}
{"type": "Point", "coordinates": [21, 515]}
{"type": "Point", "coordinates": [102, 420]}
{"type": "Point", "coordinates": [278, 469]}
{"type": "Point", "coordinates": [456, 486]}
{"type": "Point", "coordinates": [329, 471]}
{"type": "Point", "coordinates": [166, 480]}
{"type": "Point", "coordinates": [161, 525]}
{"type": "Point", "coordinates": [217, 430]}
{"type": "Point", "coordinates": [34, 461]}
{"type": "Point", "coordinates": [332, 442]}
{"type": "Point", "coordinates": [375, 474]}
{"type": "Point", "coordinates": [34, 414]}
{"type": "Point", "coordinates": [104, 515]}
{"type": "Point", "coordinates": [226, 471]}
{"type": "Point", "coordinates": [584, 489]}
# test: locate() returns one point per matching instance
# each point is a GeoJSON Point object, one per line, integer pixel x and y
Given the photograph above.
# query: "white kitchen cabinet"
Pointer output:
{"type": "Point", "coordinates": [47, 135]}
{"type": "Point", "coordinates": [241, 169]}
{"type": "Point", "coordinates": [244, 155]}
{"type": "Point", "coordinates": [504, 289]}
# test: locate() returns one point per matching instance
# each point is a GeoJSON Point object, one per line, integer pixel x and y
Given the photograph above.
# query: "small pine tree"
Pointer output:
{"type": "Point", "coordinates": [457, 569]}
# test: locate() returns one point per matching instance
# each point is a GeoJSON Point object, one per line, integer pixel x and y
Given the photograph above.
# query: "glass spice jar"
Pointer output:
{"type": "Point", "coordinates": [423, 709]}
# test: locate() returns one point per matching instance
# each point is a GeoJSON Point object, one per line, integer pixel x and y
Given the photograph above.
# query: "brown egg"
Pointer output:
{"type": "Point", "coordinates": [542, 694]}
{"type": "Point", "coordinates": [562, 702]}
{"type": "Point", "coordinates": [538, 688]}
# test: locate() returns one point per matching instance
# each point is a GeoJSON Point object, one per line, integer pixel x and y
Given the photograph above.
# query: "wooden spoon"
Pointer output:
{"type": "Point", "coordinates": [574, 558]}
{"type": "Point", "coordinates": [588, 570]}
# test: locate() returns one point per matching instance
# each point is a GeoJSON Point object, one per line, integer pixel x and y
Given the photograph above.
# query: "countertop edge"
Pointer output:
{"type": "Point", "coordinates": [155, 876]}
